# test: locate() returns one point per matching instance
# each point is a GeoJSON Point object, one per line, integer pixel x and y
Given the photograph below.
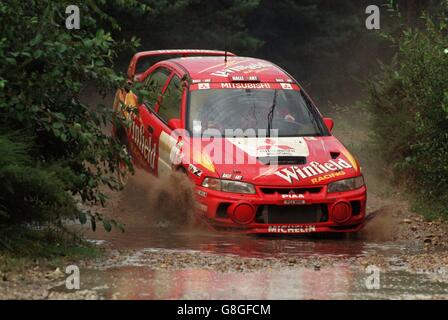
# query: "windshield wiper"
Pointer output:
{"type": "Point", "coordinates": [271, 113]}
{"type": "Point", "coordinates": [312, 114]}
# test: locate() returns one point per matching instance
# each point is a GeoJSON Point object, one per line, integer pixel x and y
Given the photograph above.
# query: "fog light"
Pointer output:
{"type": "Point", "coordinates": [341, 212]}
{"type": "Point", "coordinates": [242, 213]}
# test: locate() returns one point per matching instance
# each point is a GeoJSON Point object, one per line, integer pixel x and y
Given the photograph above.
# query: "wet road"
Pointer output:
{"type": "Point", "coordinates": [154, 260]}
{"type": "Point", "coordinates": [340, 282]}
{"type": "Point", "coordinates": [150, 269]}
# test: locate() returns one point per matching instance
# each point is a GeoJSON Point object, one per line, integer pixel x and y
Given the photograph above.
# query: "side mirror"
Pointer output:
{"type": "Point", "coordinates": [329, 123]}
{"type": "Point", "coordinates": [175, 124]}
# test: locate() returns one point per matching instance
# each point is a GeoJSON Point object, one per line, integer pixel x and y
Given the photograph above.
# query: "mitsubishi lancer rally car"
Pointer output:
{"type": "Point", "coordinates": [260, 154]}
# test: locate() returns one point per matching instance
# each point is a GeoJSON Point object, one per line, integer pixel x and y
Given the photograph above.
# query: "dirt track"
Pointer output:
{"type": "Point", "coordinates": [162, 257]}
{"type": "Point", "coordinates": [164, 260]}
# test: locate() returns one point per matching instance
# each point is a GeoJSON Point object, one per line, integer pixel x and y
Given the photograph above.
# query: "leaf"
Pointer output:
{"type": "Point", "coordinates": [117, 225]}
{"type": "Point", "coordinates": [57, 125]}
{"type": "Point", "coordinates": [82, 218]}
{"type": "Point", "coordinates": [107, 226]}
{"type": "Point", "coordinates": [93, 223]}
{"type": "Point", "coordinates": [36, 39]}
{"type": "Point", "coordinates": [11, 61]}
{"type": "Point", "coordinates": [38, 54]}
{"type": "Point", "coordinates": [56, 132]}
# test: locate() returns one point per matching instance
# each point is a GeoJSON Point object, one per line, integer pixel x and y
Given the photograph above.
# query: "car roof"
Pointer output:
{"type": "Point", "coordinates": [216, 69]}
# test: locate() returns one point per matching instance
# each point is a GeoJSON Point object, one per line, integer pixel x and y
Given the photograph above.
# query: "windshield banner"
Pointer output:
{"type": "Point", "coordinates": [244, 85]}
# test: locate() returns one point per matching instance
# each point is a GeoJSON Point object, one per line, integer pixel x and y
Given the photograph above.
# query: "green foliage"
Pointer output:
{"type": "Point", "coordinates": [48, 249]}
{"type": "Point", "coordinates": [409, 103]}
{"type": "Point", "coordinates": [30, 191]}
{"type": "Point", "coordinates": [324, 44]}
{"type": "Point", "coordinates": [53, 147]}
{"type": "Point", "coordinates": [202, 24]}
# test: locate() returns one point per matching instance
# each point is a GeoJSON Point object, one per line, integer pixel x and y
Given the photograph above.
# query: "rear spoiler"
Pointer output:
{"type": "Point", "coordinates": [174, 52]}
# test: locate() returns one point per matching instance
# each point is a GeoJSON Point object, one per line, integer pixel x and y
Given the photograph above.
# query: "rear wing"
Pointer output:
{"type": "Point", "coordinates": [174, 52]}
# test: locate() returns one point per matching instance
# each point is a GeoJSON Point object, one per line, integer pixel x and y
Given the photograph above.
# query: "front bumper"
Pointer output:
{"type": "Point", "coordinates": [312, 210]}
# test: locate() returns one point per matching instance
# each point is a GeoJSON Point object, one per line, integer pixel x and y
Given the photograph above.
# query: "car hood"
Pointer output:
{"type": "Point", "coordinates": [281, 161]}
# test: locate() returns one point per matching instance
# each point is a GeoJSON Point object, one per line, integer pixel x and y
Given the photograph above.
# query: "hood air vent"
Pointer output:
{"type": "Point", "coordinates": [334, 155]}
{"type": "Point", "coordinates": [282, 160]}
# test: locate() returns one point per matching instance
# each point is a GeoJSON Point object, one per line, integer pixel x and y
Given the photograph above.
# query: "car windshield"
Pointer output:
{"type": "Point", "coordinates": [249, 110]}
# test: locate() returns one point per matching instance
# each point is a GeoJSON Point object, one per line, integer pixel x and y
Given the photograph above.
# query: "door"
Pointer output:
{"type": "Point", "coordinates": [169, 108]}
{"type": "Point", "coordinates": [145, 128]}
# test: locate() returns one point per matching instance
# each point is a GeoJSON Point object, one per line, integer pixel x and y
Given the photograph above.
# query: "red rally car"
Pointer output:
{"type": "Point", "coordinates": [259, 152]}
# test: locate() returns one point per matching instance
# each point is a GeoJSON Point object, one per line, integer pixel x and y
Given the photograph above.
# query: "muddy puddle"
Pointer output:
{"type": "Point", "coordinates": [159, 259]}
{"type": "Point", "coordinates": [341, 282]}
{"type": "Point", "coordinates": [162, 264]}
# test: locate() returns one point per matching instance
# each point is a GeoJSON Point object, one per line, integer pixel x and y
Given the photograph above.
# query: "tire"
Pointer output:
{"type": "Point", "coordinates": [123, 171]}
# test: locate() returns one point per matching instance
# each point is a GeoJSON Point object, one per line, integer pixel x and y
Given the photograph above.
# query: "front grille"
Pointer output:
{"type": "Point", "coordinates": [272, 214]}
{"type": "Point", "coordinates": [356, 207]}
{"type": "Point", "coordinates": [291, 190]}
{"type": "Point", "coordinates": [221, 212]}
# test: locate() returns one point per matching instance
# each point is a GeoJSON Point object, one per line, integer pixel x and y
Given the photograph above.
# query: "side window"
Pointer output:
{"type": "Point", "coordinates": [170, 106]}
{"type": "Point", "coordinates": [155, 83]}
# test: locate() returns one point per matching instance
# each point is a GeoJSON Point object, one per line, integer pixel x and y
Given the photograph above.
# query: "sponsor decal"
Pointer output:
{"type": "Point", "coordinates": [202, 193]}
{"type": "Point", "coordinates": [352, 159]}
{"type": "Point", "coordinates": [296, 173]}
{"type": "Point", "coordinates": [244, 78]}
{"type": "Point", "coordinates": [286, 86]}
{"type": "Point", "coordinates": [239, 68]}
{"type": "Point", "coordinates": [237, 78]}
{"type": "Point", "coordinates": [293, 202]}
{"type": "Point", "coordinates": [230, 176]}
{"type": "Point", "coordinates": [293, 196]}
{"type": "Point", "coordinates": [176, 153]}
{"type": "Point", "coordinates": [243, 85]}
{"type": "Point", "coordinates": [272, 147]}
{"type": "Point", "coordinates": [202, 207]}
{"type": "Point", "coordinates": [203, 86]}
{"type": "Point", "coordinates": [291, 229]}
{"type": "Point", "coordinates": [194, 170]}
{"type": "Point", "coordinates": [169, 155]}
{"type": "Point", "coordinates": [328, 177]}
{"type": "Point", "coordinates": [144, 144]}
{"type": "Point", "coordinates": [229, 85]}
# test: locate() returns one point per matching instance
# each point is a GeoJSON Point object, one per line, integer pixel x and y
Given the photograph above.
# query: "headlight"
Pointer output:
{"type": "Point", "coordinates": [346, 185]}
{"type": "Point", "coordinates": [228, 185]}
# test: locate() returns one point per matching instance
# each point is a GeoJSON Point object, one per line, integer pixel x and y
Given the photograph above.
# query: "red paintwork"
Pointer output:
{"type": "Point", "coordinates": [213, 68]}
{"type": "Point", "coordinates": [182, 52]}
{"type": "Point", "coordinates": [311, 190]}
